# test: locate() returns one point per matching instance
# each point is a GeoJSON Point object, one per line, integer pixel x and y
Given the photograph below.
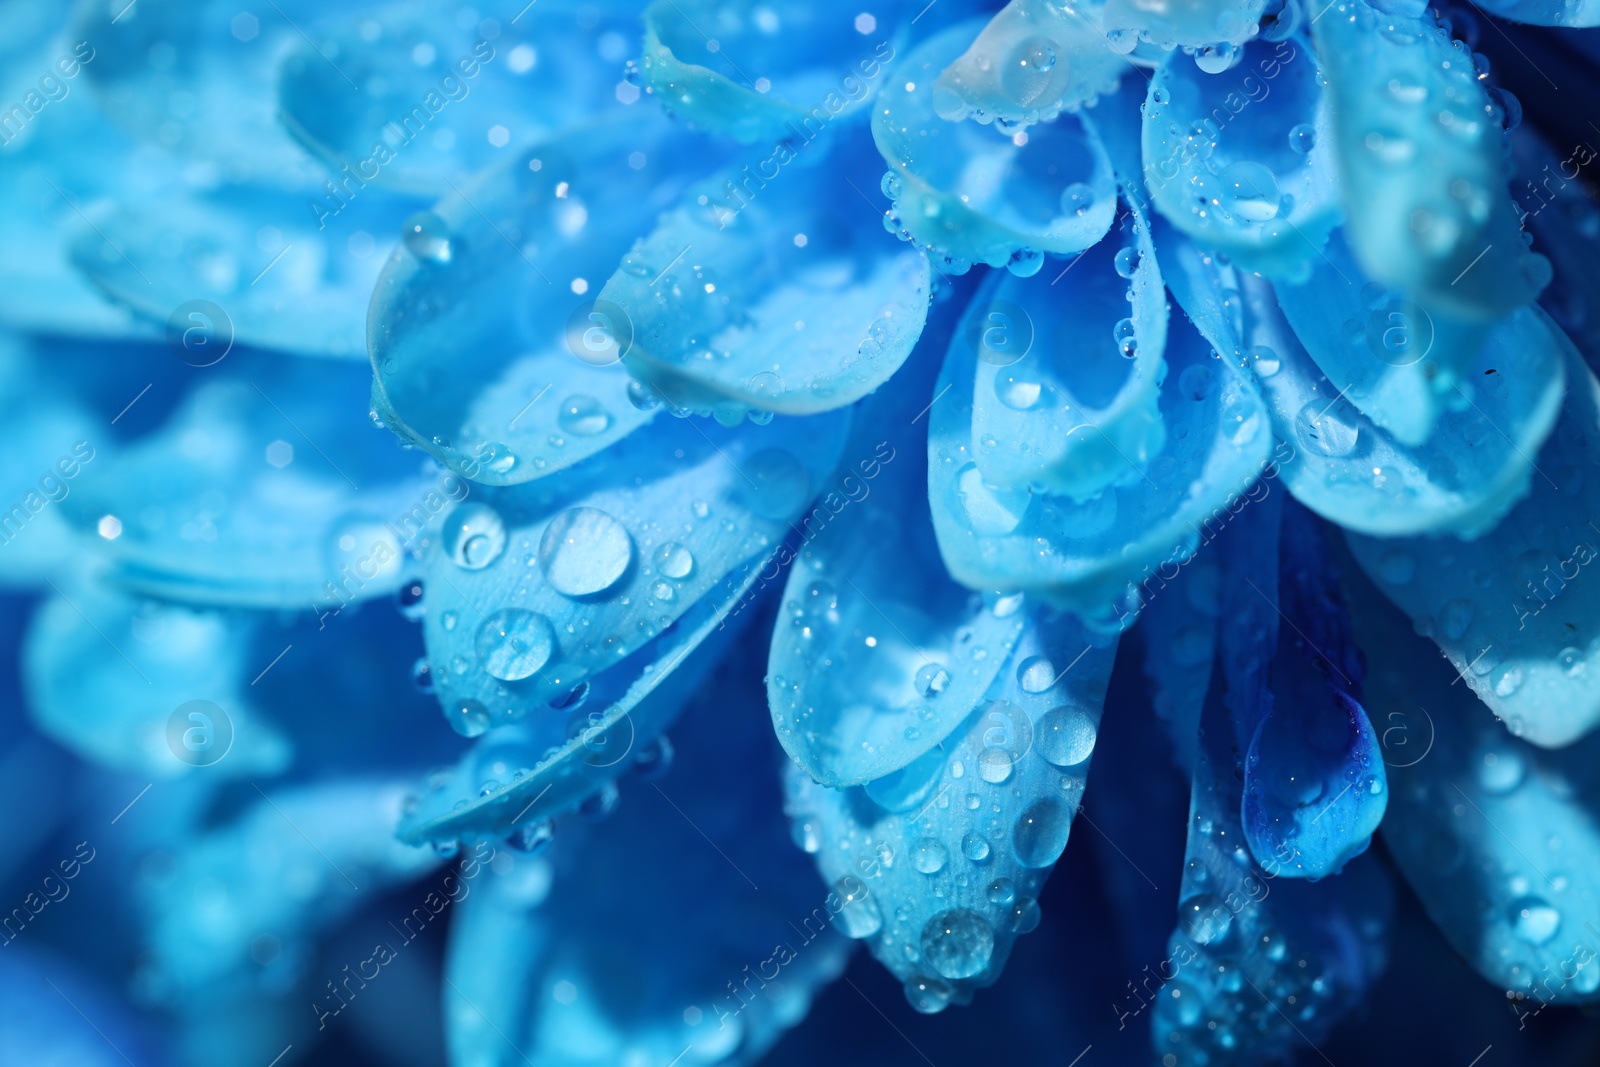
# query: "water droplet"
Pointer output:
{"type": "Point", "coordinates": [1066, 736]}
{"type": "Point", "coordinates": [1076, 200]}
{"type": "Point", "coordinates": [1016, 391]}
{"type": "Point", "coordinates": [1571, 661]}
{"type": "Point", "coordinates": [1216, 58]}
{"type": "Point", "coordinates": [929, 856]}
{"type": "Point", "coordinates": [1205, 918]}
{"type": "Point", "coordinates": [1303, 138]}
{"type": "Point", "coordinates": [990, 511]}
{"type": "Point", "coordinates": [1250, 191]}
{"type": "Point", "coordinates": [975, 847]}
{"type": "Point", "coordinates": [994, 765]}
{"type": "Point", "coordinates": [497, 456]}
{"type": "Point", "coordinates": [1001, 892]}
{"type": "Point", "coordinates": [957, 943]}
{"type": "Point", "coordinates": [1327, 428]}
{"type": "Point", "coordinates": [1265, 361]}
{"type": "Point", "coordinates": [601, 803]}
{"type": "Point", "coordinates": [475, 536]}
{"type": "Point", "coordinates": [1125, 335]}
{"type": "Point", "coordinates": [468, 717]}
{"type": "Point", "coordinates": [1455, 618]}
{"type": "Point", "coordinates": [583, 416]}
{"type": "Point", "coordinates": [513, 644]}
{"type": "Point", "coordinates": [422, 676]}
{"type": "Point", "coordinates": [1534, 919]}
{"type": "Point", "coordinates": [642, 396]}
{"type": "Point", "coordinates": [533, 838]}
{"type": "Point", "coordinates": [653, 760]}
{"type": "Point", "coordinates": [932, 679]}
{"type": "Point", "coordinates": [409, 599]}
{"type": "Point", "coordinates": [428, 238]}
{"type": "Point", "coordinates": [584, 551]}
{"type": "Point", "coordinates": [1500, 772]}
{"type": "Point", "coordinates": [927, 995]}
{"type": "Point", "coordinates": [1127, 262]}
{"type": "Point", "coordinates": [1036, 674]}
{"type": "Point", "coordinates": [1041, 832]}
{"type": "Point", "coordinates": [674, 561]}
{"type": "Point", "coordinates": [858, 914]}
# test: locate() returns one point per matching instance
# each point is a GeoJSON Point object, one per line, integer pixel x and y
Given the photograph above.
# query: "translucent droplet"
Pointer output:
{"type": "Point", "coordinates": [409, 599]}
{"type": "Point", "coordinates": [1500, 772]}
{"type": "Point", "coordinates": [1327, 428]}
{"type": "Point", "coordinates": [583, 416]}
{"type": "Point", "coordinates": [512, 644]}
{"type": "Point", "coordinates": [957, 943]}
{"type": "Point", "coordinates": [1250, 191]}
{"type": "Point", "coordinates": [1036, 674]}
{"type": "Point", "coordinates": [1127, 262]}
{"type": "Point", "coordinates": [1534, 919]}
{"type": "Point", "coordinates": [1303, 138]}
{"type": "Point", "coordinates": [642, 396]}
{"type": "Point", "coordinates": [584, 551]}
{"type": "Point", "coordinates": [468, 717]}
{"type": "Point", "coordinates": [1065, 736]}
{"type": "Point", "coordinates": [929, 856]}
{"type": "Point", "coordinates": [1205, 918]}
{"type": "Point", "coordinates": [932, 679]}
{"type": "Point", "coordinates": [994, 765]}
{"type": "Point", "coordinates": [928, 995]}
{"type": "Point", "coordinates": [475, 536]}
{"type": "Point", "coordinates": [1016, 391]}
{"type": "Point", "coordinates": [674, 561]}
{"type": "Point", "coordinates": [533, 838]}
{"type": "Point", "coordinates": [422, 676]}
{"type": "Point", "coordinates": [858, 914]}
{"type": "Point", "coordinates": [1001, 891]}
{"type": "Point", "coordinates": [1076, 200]}
{"type": "Point", "coordinates": [975, 847]}
{"type": "Point", "coordinates": [1041, 832]}
{"type": "Point", "coordinates": [428, 238]}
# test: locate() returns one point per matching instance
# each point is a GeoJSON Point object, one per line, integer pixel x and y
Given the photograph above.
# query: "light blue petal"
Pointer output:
{"type": "Point", "coordinates": [769, 299]}
{"type": "Point", "coordinates": [1244, 164]}
{"type": "Point", "coordinates": [1500, 607]}
{"type": "Point", "coordinates": [518, 776]}
{"type": "Point", "coordinates": [534, 589]}
{"type": "Point", "coordinates": [574, 958]}
{"type": "Point", "coordinates": [877, 655]}
{"type": "Point", "coordinates": [1263, 963]}
{"type": "Point", "coordinates": [1066, 386]}
{"type": "Point", "coordinates": [757, 73]}
{"type": "Point", "coordinates": [1332, 457]}
{"type": "Point", "coordinates": [293, 865]}
{"type": "Point", "coordinates": [1213, 26]}
{"type": "Point", "coordinates": [947, 856]}
{"type": "Point", "coordinates": [1091, 557]}
{"type": "Point", "coordinates": [1423, 164]}
{"type": "Point", "coordinates": [416, 126]}
{"type": "Point", "coordinates": [282, 276]}
{"type": "Point", "coordinates": [1035, 59]}
{"type": "Point", "coordinates": [486, 350]}
{"type": "Point", "coordinates": [974, 194]}
{"type": "Point", "coordinates": [187, 76]}
{"type": "Point", "coordinates": [262, 491]}
{"type": "Point", "coordinates": [1498, 837]}
{"type": "Point", "coordinates": [1577, 13]}
{"type": "Point", "coordinates": [1314, 783]}
{"type": "Point", "coordinates": [106, 673]}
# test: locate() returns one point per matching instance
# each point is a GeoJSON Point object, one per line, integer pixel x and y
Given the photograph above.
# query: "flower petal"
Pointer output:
{"type": "Point", "coordinates": [971, 194]}
{"type": "Point", "coordinates": [949, 854]}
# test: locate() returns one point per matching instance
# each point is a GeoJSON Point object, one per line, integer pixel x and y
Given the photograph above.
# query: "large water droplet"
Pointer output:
{"type": "Point", "coordinates": [1534, 919]}
{"type": "Point", "coordinates": [1303, 138]}
{"type": "Point", "coordinates": [674, 561]}
{"type": "Point", "coordinates": [1066, 736]}
{"type": "Point", "coordinates": [1500, 771]}
{"type": "Point", "coordinates": [858, 913]}
{"type": "Point", "coordinates": [513, 644]}
{"type": "Point", "coordinates": [1025, 73]}
{"type": "Point", "coordinates": [584, 551]}
{"type": "Point", "coordinates": [1205, 918]}
{"type": "Point", "coordinates": [1036, 674]}
{"type": "Point", "coordinates": [583, 416]}
{"type": "Point", "coordinates": [929, 856]}
{"type": "Point", "coordinates": [475, 536]}
{"type": "Point", "coordinates": [1327, 428]}
{"type": "Point", "coordinates": [468, 717]}
{"type": "Point", "coordinates": [932, 679]}
{"type": "Point", "coordinates": [428, 238]}
{"type": "Point", "coordinates": [957, 943]}
{"type": "Point", "coordinates": [1041, 832]}
{"type": "Point", "coordinates": [1250, 191]}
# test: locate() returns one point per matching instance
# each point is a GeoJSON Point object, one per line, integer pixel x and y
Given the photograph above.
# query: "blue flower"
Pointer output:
{"type": "Point", "coordinates": [796, 443]}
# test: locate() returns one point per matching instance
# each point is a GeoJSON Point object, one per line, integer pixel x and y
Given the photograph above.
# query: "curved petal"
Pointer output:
{"type": "Point", "coordinates": [471, 89]}
{"type": "Point", "coordinates": [1500, 607]}
{"type": "Point", "coordinates": [517, 777]}
{"type": "Point", "coordinates": [1498, 837]}
{"type": "Point", "coordinates": [291, 866]}
{"type": "Point", "coordinates": [754, 72]}
{"type": "Point", "coordinates": [877, 655]}
{"type": "Point", "coordinates": [543, 961]}
{"type": "Point", "coordinates": [1423, 164]}
{"type": "Point", "coordinates": [971, 194]}
{"type": "Point", "coordinates": [1035, 59]}
{"type": "Point", "coordinates": [108, 675]}
{"type": "Point", "coordinates": [945, 858]}
{"type": "Point", "coordinates": [1094, 557]}
{"type": "Point", "coordinates": [486, 352]}
{"type": "Point", "coordinates": [1242, 161]}
{"type": "Point", "coordinates": [534, 589]}
{"type": "Point", "coordinates": [1462, 480]}
{"type": "Point", "coordinates": [262, 493]}
{"type": "Point", "coordinates": [1082, 412]}
{"type": "Point", "coordinates": [781, 306]}
{"type": "Point", "coordinates": [1213, 26]}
